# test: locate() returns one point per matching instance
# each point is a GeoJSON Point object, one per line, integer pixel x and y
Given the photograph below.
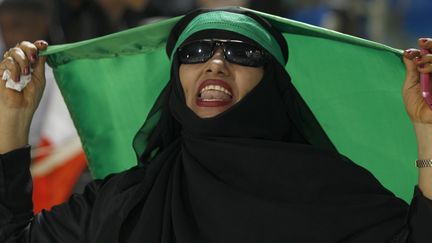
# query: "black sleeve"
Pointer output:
{"type": "Point", "coordinates": [420, 218]}
{"type": "Point", "coordinates": [419, 221]}
{"type": "Point", "coordinates": [64, 223]}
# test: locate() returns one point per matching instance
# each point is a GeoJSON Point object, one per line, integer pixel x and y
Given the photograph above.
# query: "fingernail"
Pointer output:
{"type": "Point", "coordinates": [17, 78]}
{"type": "Point", "coordinates": [26, 71]}
{"type": "Point", "coordinates": [43, 43]}
{"type": "Point", "coordinates": [418, 59]}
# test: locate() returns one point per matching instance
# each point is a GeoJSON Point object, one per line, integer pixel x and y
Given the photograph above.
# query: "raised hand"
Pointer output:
{"type": "Point", "coordinates": [17, 108]}
{"type": "Point", "coordinates": [417, 63]}
{"type": "Point", "coordinates": [418, 110]}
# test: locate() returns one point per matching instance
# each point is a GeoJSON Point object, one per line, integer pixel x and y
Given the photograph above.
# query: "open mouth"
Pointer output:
{"type": "Point", "coordinates": [213, 93]}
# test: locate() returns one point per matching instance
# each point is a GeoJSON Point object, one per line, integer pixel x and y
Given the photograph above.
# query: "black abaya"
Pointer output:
{"type": "Point", "coordinates": [250, 174]}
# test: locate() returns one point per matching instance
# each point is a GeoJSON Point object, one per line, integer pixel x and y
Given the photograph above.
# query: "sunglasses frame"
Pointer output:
{"type": "Point", "coordinates": [221, 43]}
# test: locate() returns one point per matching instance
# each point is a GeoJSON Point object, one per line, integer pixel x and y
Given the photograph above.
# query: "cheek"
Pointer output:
{"type": "Point", "coordinates": [187, 77]}
{"type": "Point", "coordinates": [248, 79]}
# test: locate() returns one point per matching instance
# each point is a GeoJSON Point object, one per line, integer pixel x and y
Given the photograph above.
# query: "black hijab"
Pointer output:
{"type": "Point", "coordinates": [249, 174]}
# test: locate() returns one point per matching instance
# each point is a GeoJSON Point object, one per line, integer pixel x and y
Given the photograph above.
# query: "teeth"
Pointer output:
{"type": "Point", "coordinates": [215, 87]}
{"type": "Point", "coordinates": [212, 100]}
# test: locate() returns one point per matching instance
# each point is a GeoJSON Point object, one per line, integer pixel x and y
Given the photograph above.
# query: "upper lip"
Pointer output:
{"type": "Point", "coordinates": [219, 82]}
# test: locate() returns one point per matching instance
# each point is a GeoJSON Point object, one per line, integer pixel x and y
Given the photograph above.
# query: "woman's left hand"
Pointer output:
{"type": "Point", "coordinates": [418, 110]}
{"type": "Point", "coordinates": [416, 64]}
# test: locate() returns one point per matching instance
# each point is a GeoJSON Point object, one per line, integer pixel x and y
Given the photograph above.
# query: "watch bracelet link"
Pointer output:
{"type": "Point", "coordinates": [422, 163]}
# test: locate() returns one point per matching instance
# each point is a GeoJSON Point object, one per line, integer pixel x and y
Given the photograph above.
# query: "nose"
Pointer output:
{"type": "Point", "coordinates": [218, 53]}
{"type": "Point", "coordinates": [217, 62]}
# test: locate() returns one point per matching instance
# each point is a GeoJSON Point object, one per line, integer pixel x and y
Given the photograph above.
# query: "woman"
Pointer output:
{"type": "Point", "coordinates": [228, 160]}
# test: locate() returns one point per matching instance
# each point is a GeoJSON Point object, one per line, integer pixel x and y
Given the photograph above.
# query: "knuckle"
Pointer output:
{"type": "Point", "coordinates": [427, 68]}
{"type": "Point", "coordinates": [30, 50]}
{"type": "Point", "coordinates": [25, 43]}
{"type": "Point", "coordinates": [9, 60]}
{"type": "Point", "coordinates": [8, 64]}
{"type": "Point", "coordinates": [15, 50]}
{"type": "Point", "coordinates": [41, 43]}
{"type": "Point", "coordinates": [26, 47]}
{"type": "Point", "coordinates": [18, 55]}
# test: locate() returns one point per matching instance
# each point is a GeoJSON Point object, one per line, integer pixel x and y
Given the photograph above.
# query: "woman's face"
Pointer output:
{"type": "Point", "coordinates": [214, 86]}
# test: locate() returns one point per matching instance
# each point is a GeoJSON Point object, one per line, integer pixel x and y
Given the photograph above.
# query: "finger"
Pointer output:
{"type": "Point", "coordinates": [29, 49]}
{"type": "Point", "coordinates": [19, 56]}
{"type": "Point", "coordinates": [412, 75]}
{"type": "Point", "coordinates": [425, 68]}
{"type": "Point", "coordinates": [10, 64]}
{"type": "Point", "coordinates": [411, 53]}
{"type": "Point", "coordinates": [41, 45]}
{"type": "Point", "coordinates": [425, 43]}
{"type": "Point", "coordinates": [424, 59]}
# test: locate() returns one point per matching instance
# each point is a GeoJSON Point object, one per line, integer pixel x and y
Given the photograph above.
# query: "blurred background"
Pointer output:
{"type": "Point", "coordinates": [59, 165]}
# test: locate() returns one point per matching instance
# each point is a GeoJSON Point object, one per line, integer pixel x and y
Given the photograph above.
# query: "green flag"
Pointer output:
{"type": "Point", "coordinates": [353, 87]}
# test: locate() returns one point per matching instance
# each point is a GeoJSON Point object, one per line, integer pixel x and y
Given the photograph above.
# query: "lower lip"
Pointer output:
{"type": "Point", "coordinates": [214, 103]}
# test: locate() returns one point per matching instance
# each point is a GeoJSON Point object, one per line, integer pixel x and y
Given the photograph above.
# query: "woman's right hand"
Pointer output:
{"type": "Point", "coordinates": [17, 108]}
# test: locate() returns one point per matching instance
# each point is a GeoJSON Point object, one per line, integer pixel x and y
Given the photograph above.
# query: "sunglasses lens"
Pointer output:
{"type": "Point", "coordinates": [196, 52]}
{"type": "Point", "coordinates": [235, 52]}
{"type": "Point", "coordinates": [244, 54]}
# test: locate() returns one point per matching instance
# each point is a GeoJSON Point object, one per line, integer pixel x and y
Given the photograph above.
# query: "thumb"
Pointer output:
{"type": "Point", "coordinates": [39, 66]}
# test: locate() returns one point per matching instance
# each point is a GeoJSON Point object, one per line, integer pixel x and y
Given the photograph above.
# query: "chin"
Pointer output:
{"type": "Point", "coordinates": [209, 112]}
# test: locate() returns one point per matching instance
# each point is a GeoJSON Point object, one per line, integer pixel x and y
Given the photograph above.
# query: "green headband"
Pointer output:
{"type": "Point", "coordinates": [234, 22]}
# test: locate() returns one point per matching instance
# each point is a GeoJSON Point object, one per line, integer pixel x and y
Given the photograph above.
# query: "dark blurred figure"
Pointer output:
{"type": "Point", "coordinates": [348, 17]}
{"type": "Point", "coordinates": [274, 7]}
{"type": "Point", "coordinates": [179, 7]}
{"type": "Point", "coordinates": [85, 19]}
{"type": "Point", "coordinates": [15, 16]}
{"type": "Point", "coordinates": [222, 3]}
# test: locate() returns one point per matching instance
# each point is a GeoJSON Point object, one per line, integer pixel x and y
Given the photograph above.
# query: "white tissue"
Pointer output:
{"type": "Point", "coordinates": [18, 86]}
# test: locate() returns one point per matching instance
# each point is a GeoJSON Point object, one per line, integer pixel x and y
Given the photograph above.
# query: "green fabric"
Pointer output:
{"type": "Point", "coordinates": [234, 22]}
{"type": "Point", "coordinates": [353, 86]}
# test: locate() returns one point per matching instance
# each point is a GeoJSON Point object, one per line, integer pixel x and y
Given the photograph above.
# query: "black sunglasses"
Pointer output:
{"type": "Point", "coordinates": [235, 51]}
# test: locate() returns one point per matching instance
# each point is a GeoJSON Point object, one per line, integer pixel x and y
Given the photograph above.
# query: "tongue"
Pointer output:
{"type": "Point", "coordinates": [215, 94]}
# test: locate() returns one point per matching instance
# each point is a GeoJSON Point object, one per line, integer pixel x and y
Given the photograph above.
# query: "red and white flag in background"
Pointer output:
{"type": "Point", "coordinates": [58, 158]}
